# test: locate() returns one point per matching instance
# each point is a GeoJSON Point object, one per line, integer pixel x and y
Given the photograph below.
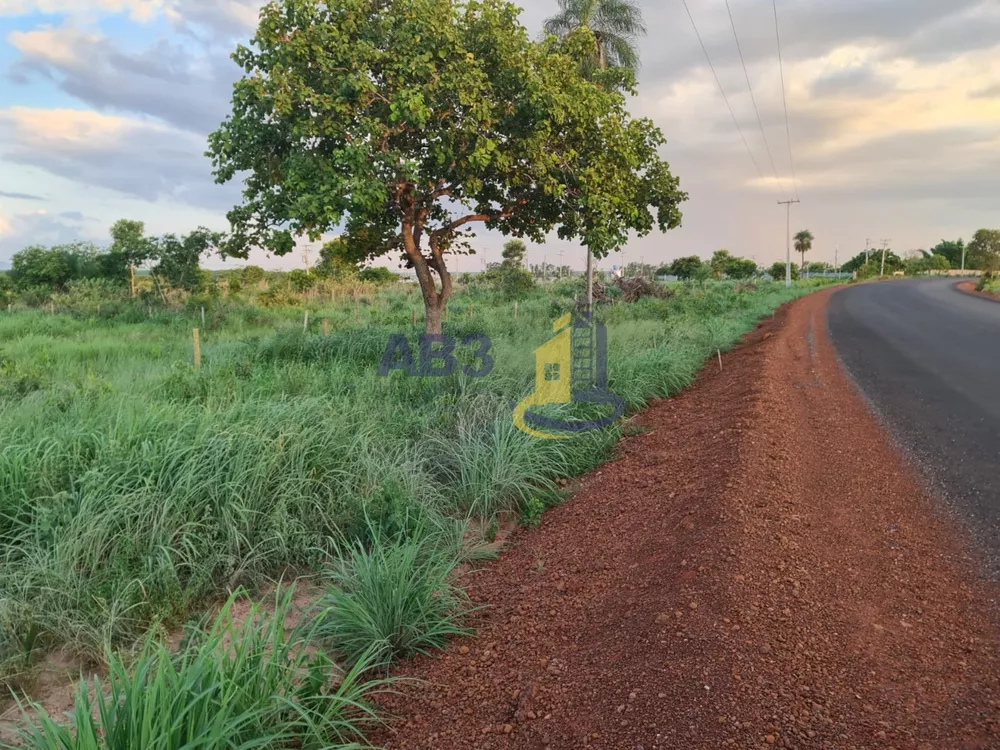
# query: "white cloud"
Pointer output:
{"type": "Point", "coordinates": [62, 46]}
{"type": "Point", "coordinates": [132, 156]}
{"type": "Point", "coordinates": [138, 10]}
{"type": "Point", "coordinates": [892, 103]}
{"type": "Point", "coordinates": [66, 128]}
{"type": "Point", "coordinates": [225, 17]}
{"type": "Point", "coordinates": [185, 85]}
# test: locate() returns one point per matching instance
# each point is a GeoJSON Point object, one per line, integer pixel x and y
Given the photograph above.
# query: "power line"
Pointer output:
{"type": "Point", "coordinates": [784, 101]}
{"type": "Point", "coordinates": [749, 86]}
{"type": "Point", "coordinates": [723, 92]}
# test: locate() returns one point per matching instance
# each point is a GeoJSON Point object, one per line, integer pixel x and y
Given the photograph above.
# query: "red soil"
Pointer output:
{"type": "Point", "coordinates": [969, 287]}
{"type": "Point", "coordinates": [759, 568]}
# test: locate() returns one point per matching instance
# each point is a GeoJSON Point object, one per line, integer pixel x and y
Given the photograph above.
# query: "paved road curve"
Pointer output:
{"type": "Point", "coordinates": [928, 357]}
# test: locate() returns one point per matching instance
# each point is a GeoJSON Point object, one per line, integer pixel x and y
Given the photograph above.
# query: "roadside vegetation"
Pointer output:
{"type": "Point", "coordinates": [135, 489]}
{"type": "Point", "coordinates": [241, 682]}
{"type": "Point", "coordinates": [978, 256]}
{"type": "Point", "coordinates": [150, 471]}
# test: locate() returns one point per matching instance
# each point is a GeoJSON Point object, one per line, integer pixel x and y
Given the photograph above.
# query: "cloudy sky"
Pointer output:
{"type": "Point", "coordinates": [894, 110]}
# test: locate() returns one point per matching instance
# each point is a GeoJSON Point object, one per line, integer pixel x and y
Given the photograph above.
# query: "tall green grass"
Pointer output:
{"type": "Point", "coordinates": [240, 684]}
{"type": "Point", "coordinates": [394, 595]}
{"type": "Point", "coordinates": [133, 488]}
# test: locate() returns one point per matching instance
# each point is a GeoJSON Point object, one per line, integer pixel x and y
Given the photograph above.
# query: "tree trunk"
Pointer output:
{"type": "Point", "coordinates": [433, 310]}
{"type": "Point", "coordinates": [434, 301]}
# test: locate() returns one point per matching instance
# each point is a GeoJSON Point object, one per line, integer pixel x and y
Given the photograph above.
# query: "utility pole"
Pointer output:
{"type": "Point", "coordinates": [868, 244]}
{"type": "Point", "coordinates": [545, 260]}
{"type": "Point", "coordinates": [836, 259]}
{"type": "Point", "coordinates": [885, 244]}
{"type": "Point", "coordinates": [788, 238]}
{"type": "Point", "coordinates": [963, 256]}
{"type": "Point", "coordinates": [590, 282]}
{"type": "Point", "coordinates": [562, 252]}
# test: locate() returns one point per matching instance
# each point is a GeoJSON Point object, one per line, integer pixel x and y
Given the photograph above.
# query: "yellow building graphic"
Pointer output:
{"type": "Point", "coordinates": [570, 367]}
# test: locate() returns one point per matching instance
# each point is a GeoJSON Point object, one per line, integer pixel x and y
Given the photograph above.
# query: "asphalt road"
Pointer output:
{"type": "Point", "coordinates": [928, 358]}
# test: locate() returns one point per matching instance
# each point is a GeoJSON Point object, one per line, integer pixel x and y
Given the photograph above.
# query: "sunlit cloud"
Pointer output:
{"type": "Point", "coordinates": [138, 10]}
{"type": "Point", "coordinates": [890, 104]}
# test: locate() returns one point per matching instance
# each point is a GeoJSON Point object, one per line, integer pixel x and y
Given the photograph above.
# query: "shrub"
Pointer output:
{"type": "Point", "coordinates": [684, 268]}
{"type": "Point", "coordinates": [531, 513]}
{"type": "Point", "coordinates": [394, 597]}
{"type": "Point", "coordinates": [377, 275]}
{"type": "Point", "coordinates": [777, 271]}
{"type": "Point", "coordinates": [253, 275]}
{"type": "Point", "coordinates": [301, 281]}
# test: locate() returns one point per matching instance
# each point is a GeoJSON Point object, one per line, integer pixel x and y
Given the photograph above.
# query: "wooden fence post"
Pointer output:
{"type": "Point", "coordinates": [305, 323]}
{"type": "Point", "coordinates": [197, 349]}
{"type": "Point", "coordinates": [202, 316]}
{"type": "Point", "coordinates": [326, 326]}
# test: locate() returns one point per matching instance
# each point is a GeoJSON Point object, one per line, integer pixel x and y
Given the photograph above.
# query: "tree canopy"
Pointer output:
{"type": "Point", "coordinates": [725, 265]}
{"type": "Point", "coordinates": [407, 121]}
{"type": "Point", "coordinates": [335, 261]}
{"type": "Point", "coordinates": [803, 244]}
{"type": "Point", "coordinates": [615, 24]}
{"type": "Point", "coordinates": [858, 263]}
{"type": "Point", "coordinates": [984, 251]}
{"type": "Point", "coordinates": [779, 268]}
{"type": "Point", "coordinates": [952, 250]}
{"type": "Point", "coordinates": [687, 267]}
{"type": "Point", "coordinates": [178, 258]}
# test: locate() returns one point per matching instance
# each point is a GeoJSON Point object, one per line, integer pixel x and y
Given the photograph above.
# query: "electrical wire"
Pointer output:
{"type": "Point", "coordinates": [784, 101]}
{"type": "Point", "coordinates": [723, 92]}
{"type": "Point", "coordinates": [752, 97]}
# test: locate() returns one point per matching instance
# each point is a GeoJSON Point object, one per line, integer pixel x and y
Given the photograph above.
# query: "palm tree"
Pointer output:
{"type": "Point", "coordinates": [615, 24]}
{"type": "Point", "coordinates": [803, 244]}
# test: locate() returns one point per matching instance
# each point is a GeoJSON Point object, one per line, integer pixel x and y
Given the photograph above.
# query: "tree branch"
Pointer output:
{"type": "Point", "coordinates": [449, 228]}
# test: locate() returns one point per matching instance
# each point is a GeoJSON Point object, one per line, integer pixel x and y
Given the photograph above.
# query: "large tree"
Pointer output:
{"type": "Point", "coordinates": [615, 24]}
{"type": "Point", "coordinates": [129, 242]}
{"type": "Point", "coordinates": [178, 258]}
{"type": "Point", "coordinates": [405, 122]}
{"type": "Point", "coordinates": [803, 244]}
{"type": "Point", "coordinates": [984, 252]}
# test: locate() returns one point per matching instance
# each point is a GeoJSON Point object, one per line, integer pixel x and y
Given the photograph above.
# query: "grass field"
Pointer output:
{"type": "Point", "coordinates": [134, 488]}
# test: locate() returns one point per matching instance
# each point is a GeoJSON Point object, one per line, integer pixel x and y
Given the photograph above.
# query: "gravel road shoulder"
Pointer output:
{"type": "Point", "coordinates": [758, 568]}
